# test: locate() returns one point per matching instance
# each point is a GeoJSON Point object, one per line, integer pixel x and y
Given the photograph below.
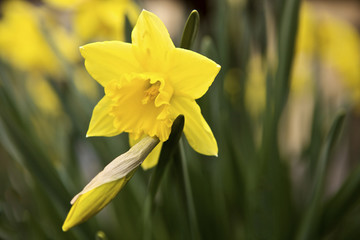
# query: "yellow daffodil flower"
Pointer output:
{"type": "Point", "coordinates": [148, 84]}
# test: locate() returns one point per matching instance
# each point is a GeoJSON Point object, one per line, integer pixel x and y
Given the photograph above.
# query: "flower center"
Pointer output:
{"type": "Point", "coordinates": [151, 93]}
{"type": "Point", "coordinates": [140, 104]}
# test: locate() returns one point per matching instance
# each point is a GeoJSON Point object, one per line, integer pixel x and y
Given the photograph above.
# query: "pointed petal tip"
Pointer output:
{"type": "Point", "coordinates": [73, 200]}
{"type": "Point", "coordinates": [217, 69]}
{"type": "Point", "coordinates": [82, 47]}
{"type": "Point", "coordinates": [144, 11]}
{"type": "Point", "coordinates": [213, 154]}
{"type": "Point", "coordinates": [82, 50]}
{"type": "Point", "coordinates": [65, 226]}
{"type": "Point", "coordinates": [68, 224]}
{"type": "Point", "coordinates": [208, 153]}
{"type": "Point", "coordinates": [145, 167]}
{"type": "Point", "coordinates": [88, 134]}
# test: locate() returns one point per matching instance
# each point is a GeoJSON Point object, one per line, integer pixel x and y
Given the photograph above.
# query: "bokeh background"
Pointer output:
{"type": "Point", "coordinates": [285, 110]}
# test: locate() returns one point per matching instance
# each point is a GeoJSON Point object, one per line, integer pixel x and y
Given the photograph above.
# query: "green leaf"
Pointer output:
{"type": "Point", "coordinates": [342, 203]}
{"type": "Point", "coordinates": [190, 30]}
{"type": "Point", "coordinates": [310, 223]}
{"type": "Point", "coordinates": [287, 41]}
{"type": "Point", "coordinates": [128, 29]}
{"type": "Point", "coordinates": [181, 166]}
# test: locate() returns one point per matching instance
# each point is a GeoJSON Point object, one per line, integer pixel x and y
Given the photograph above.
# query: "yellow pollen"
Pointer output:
{"type": "Point", "coordinates": [151, 93]}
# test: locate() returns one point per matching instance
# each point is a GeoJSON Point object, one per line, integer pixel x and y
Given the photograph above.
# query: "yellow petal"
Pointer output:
{"type": "Point", "coordinates": [196, 129]}
{"type": "Point", "coordinates": [102, 123]}
{"type": "Point", "coordinates": [90, 203]}
{"type": "Point", "coordinates": [191, 74]}
{"type": "Point", "coordinates": [107, 61]}
{"type": "Point", "coordinates": [152, 40]}
{"type": "Point", "coordinates": [153, 158]}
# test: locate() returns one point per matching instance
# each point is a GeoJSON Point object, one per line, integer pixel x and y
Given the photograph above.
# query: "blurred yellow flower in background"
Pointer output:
{"type": "Point", "coordinates": [148, 84]}
{"type": "Point", "coordinates": [306, 30]}
{"type": "Point", "coordinates": [339, 48]}
{"type": "Point", "coordinates": [43, 95]}
{"type": "Point", "coordinates": [84, 83]}
{"type": "Point", "coordinates": [324, 43]}
{"type": "Point", "coordinates": [330, 44]}
{"type": "Point", "coordinates": [327, 60]}
{"type": "Point", "coordinates": [64, 4]}
{"type": "Point", "coordinates": [98, 19]}
{"type": "Point", "coordinates": [31, 41]}
{"type": "Point", "coordinates": [232, 85]}
{"type": "Point", "coordinates": [302, 78]}
{"type": "Point", "coordinates": [255, 91]}
{"type": "Point", "coordinates": [22, 42]}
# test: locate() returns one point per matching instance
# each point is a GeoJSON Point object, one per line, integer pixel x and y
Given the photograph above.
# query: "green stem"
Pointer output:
{"type": "Point", "coordinates": [181, 162]}
{"type": "Point", "coordinates": [167, 151]}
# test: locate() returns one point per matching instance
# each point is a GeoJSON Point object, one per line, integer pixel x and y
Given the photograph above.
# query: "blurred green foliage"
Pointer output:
{"type": "Point", "coordinates": [255, 189]}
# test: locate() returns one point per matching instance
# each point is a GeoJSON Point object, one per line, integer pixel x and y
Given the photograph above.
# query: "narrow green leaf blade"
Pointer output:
{"type": "Point", "coordinates": [190, 30]}
{"type": "Point", "coordinates": [342, 203]}
{"type": "Point", "coordinates": [287, 41]}
{"type": "Point", "coordinates": [309, 227]}
{"type": "Point", "coordinates": [128, 29]}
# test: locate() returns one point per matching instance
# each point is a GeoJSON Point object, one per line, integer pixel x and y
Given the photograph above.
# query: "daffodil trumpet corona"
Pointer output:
{"type": "Point", "coordinates": [106, 184]}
